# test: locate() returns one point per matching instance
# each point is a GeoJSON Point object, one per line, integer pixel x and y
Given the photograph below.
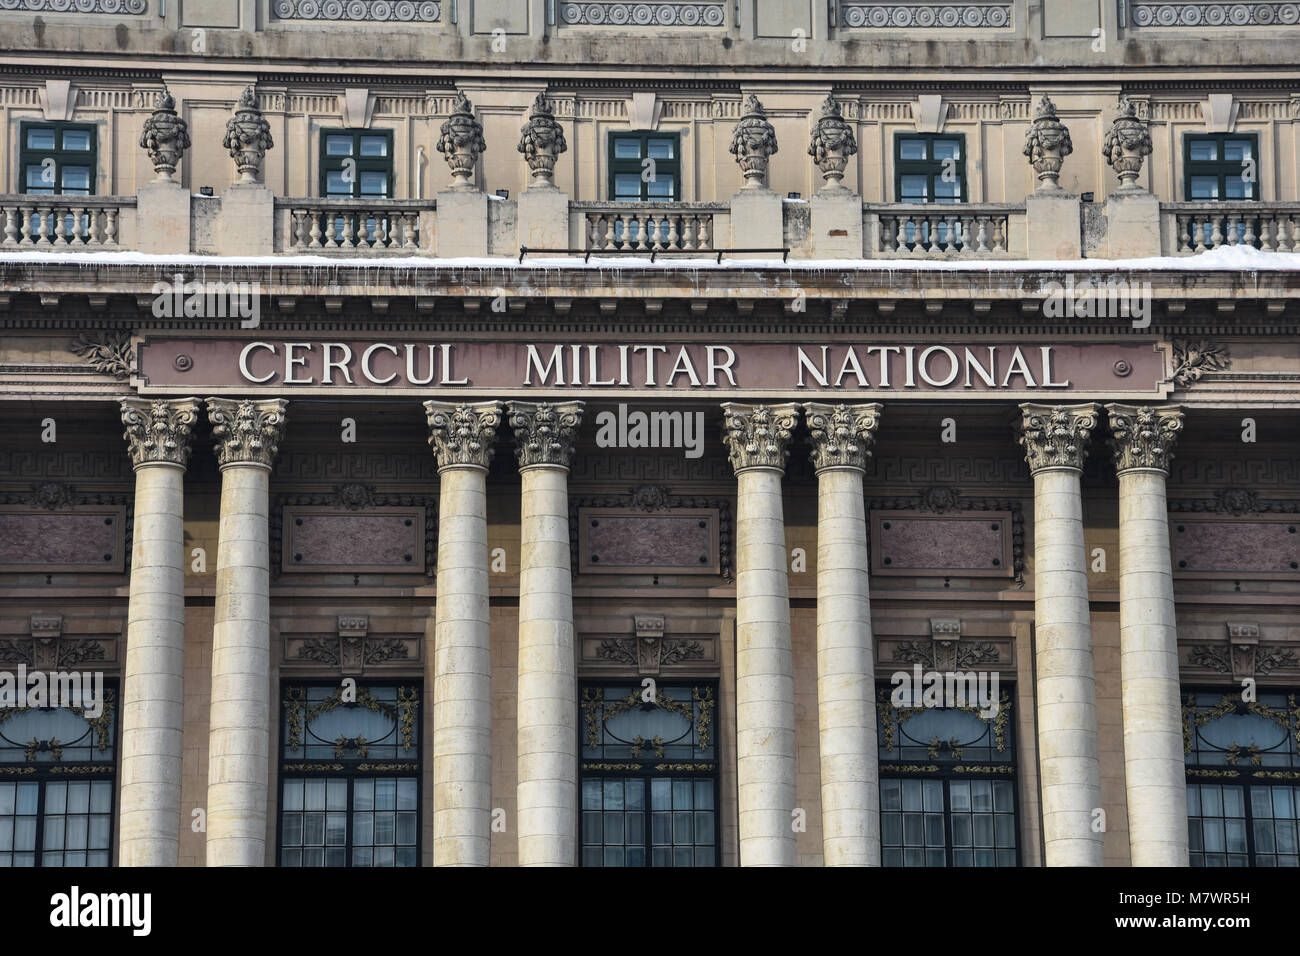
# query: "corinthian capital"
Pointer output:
{"type": "Point", "coordinates": [463, 434]}
{"type": "Point", "coordinates": [1056, 436]}
{"type": "Point", "coordinates": [159, 430]}
{"type": "Point", "coordinates": [246, 432]}
{"type": "Point", "coordinates": [544, 432]}
{"type": "Point", "coordinates": [842, 435]}
{"type": "Point", "coordinates": [758, 436]}
{"type": "Point", "coordinates": [1143, 436]}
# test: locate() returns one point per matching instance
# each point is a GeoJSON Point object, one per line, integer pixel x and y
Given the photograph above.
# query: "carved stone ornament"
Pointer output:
{"type": "Point", "coordinates": [463, 434]}
{"type": "Point", "coordinates": [246, 432]}
{"type": "Point", "coordinates": [159, 430]}
{"type": "Point", "coordinates": [107, 352]}
{"type": "Point", "coordinates": [461, 142]}
{"type": "Point", "coordinates": [1056, 436]}
{"type": "Point", "coordinates": [165, 136]}
{"type": "Point", "coordinates": [544, 432]}
{"type": "Point", "coordinates": [1047, 143]}
{"type": "Point", "coordinates": [1236, 501]}
{"type": "Point", "coordinates": [1143, 436]}
{"type": "Point", "coordinates": [753, 143]}
{"type": "Point", "coordinates": [833, 143]}
{"type": "Point", "coordinates": [758, 436]}
{"type": "Point", "coordinates": [248, 136]}
{"type": "Point", "coordinates": [842, 435]}
{"type": "Point", "coordinates": [1128, 142]}
{"type": "Point", "coordinates": [1192, 359]}
{"type": "Point", "coordinates": [541, 140]}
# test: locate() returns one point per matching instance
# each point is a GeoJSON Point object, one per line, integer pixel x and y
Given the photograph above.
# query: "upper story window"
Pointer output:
{"type": "Point", "coordinates": [929, 168]}
{"type": "Point", "coordinates": [947, 785]}
{"type": "Point", "coordinates": [645, 167]}
{"type": "Point", "coordinates": [356, 163]}
{"type": "Point", "coordinates": [57, 158]}
{"type": "Point", "coordinates": [649, 776]}
{"type": "Point", "coordinates": [1220, 166]}
{"type": "Point", "coordinates": [57, 810]}
{"type": "Point", "coordinates": [1243, 785]}
{"type": "Point", "coordinates": [350, 776]}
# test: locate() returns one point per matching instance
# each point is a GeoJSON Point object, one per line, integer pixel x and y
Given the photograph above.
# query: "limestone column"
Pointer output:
{"type": "Point", "coordinates": [247, 436]}
{"type": "Point", "coordinates": [548, 692]}
{"type": "Point", "coordinates": [846, 714]}
{"type": "Point", "coordinates": [462, 437]}
{"type": "Point", "coordinates": [1154, 774]}
{"type": "Point", "coordinates": [1055, 439]}
{"type": "Point", "coordinates": [153, 700]}
{"type": "Point", "coordinates": [758, 439]}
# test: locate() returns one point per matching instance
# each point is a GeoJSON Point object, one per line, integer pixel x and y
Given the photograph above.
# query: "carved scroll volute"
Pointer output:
{"type": "Point", "coordinates": [463, 434]}
{"type": "Point", "coordinates": [758, 436]}
{"type": "Point", "coordinates": [842, 435]}
{"type": "Point", "coordinates": [545, 432]}
{"type": "Point", "coordinates": [246, 432]}
{"type": "Point", "coordinates": [1056, 436]}
{"type": "Point", "coordinates": [1143, 436]}
{"type": "Point", "coordinates": [159, 431]}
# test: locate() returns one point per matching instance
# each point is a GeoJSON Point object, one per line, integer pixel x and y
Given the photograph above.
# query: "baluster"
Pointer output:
{"type": "Point", "coordinates": [611, 232]}
{"type": "Point", "coordinates": [982, 237]}
{"type": "Point", "coordinates": [11, 226]}
{"type": "Point", "coordinates": [1283, 234]}
{"type": "Point", "coordinates": [593, 231]}
{"type": "Point", "coordinates": [688, 233]}
{"type": "Point", "coordinates": [316, 222]}
{"type": "Point", "coordinates": [936, 247]}
{"type": "Point", "coordinates": [1266, 233]}
{"type": "Point", "coordinates": [642, 236]}
{"type": "Point", "coordinates": [110, 226]}
{"type": "Point", "coordinates": [1000, 235]}
{"type": "Point", "coordinates": [706, 228]}
{"type": "Point", "coordinates": [27, 213]}
{"type": "Point", "coordinates": [381, 231]}
{"type": "Point", "coordinates": [298, 229]}
{"type": "Point", "coordinates": [43, 230]}
{"type": "Point", "coordinates": [1198, 231]}
{"type": "Point", "coordinates": [77, 238]}
{"type": "Point", "coordinates": [1216, 237]}
{"type": "Point", "coordinates": [1247, 225]}
{"type": "Point", "coordinates": [60, 227]}
{"type": "Point", "coordinates": [94, 228]}
{"type": "Point", "coordinates": [673, 235]}
{"type": "Point", "coordinates": [1184, 239]}
{"type": "Point", "coordinates": [1233, 238]}
{"type": "Point", "coordinates": [900, 238]}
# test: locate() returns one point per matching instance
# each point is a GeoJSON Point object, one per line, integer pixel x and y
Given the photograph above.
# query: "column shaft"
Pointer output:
{"type": "Point", "coordinates": [462, 690]}
{"type": "Point", "coordinates": [765, 766]}
{"type": "Point", "coordinates": [153, 701]}
{"type": "Point", "coordinates": [547, 701]}
{"type": "Point", "coordinates": [1067, 710]}
{"type": "Point", "coordinates": [239, 728]}
{"type": "Point", "coordinates": [846, 715]}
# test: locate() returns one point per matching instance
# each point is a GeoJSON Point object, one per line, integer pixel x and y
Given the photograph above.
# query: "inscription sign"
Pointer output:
{"type": "Point", "coordinates": [170, 365]}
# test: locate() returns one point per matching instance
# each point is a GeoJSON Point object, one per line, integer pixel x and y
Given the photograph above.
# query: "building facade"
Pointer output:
{"type": "Point", "coordinates": [760, 432]}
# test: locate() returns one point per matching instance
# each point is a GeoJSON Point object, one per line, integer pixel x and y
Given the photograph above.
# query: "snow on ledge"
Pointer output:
{"type": "Point", "coordinates": [1223, 259]}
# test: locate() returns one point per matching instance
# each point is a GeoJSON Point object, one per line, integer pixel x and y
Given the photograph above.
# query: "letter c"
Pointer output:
{"type": "Point", "coordinates": [243, 361]}
{"type": "Point", "coordinates": [365, 363]}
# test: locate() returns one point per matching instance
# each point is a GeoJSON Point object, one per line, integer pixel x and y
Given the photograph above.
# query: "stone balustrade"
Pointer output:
{"type": "Point", "coordinates": [1195, 227]}
{"type": "Point", "coordinates": [67, 223]}
{"type": "Point", "coordinates": [649, 227]}
{"type": "Point", "coordinates": [354, 226]}
{"type": "Point", "coordinates": [966, 230]}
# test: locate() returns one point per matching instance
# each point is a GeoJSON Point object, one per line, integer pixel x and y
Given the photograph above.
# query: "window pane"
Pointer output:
{"type": "Point", "coordinates": [947, 149]}
{"type": "Point", "coordinates": [914, 188]}
{"type": "Point", "coordinates": [626, 148]}
{"type": "Point", "coordinates": [76, 139]}
{"type": "Point", "coordinates": [912, 149]}
{"type": "Point", "coordinates": [661, 149]}
{"type": "Point", "coordinates": [38, 180]}
{"type": "Point", "coordinates": [1238, 188]}
{"type": "Point", "coordinates": [627, 186]}
{"type": "Point", "coordinates": [1205, 187]}
{"type": "Point", "coordinates": [336, 184]}
{"type": "Point", "coordinates": [1235, 150]}
{"type": "Point", "coordinates": [374, 145]}
{"type": "Point", "coordinates": [374, 183]}
{"type": "Point", "coordinates": [664, 186]}
{"type": "Point", "coordinates": [338, 145]}
{"type": "Point", "coordinates": [947, 190]}
{"type": "Point", "coordinates": [1203, 150]}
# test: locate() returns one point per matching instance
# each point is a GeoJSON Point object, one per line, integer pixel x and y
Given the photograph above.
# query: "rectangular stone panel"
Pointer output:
{"type": "Point", "coordinates": [508, 15]}
{"type": "Point", "coordinates": [1224, 547]}
{"type": "Point", "coordinates": [87, 539]}
{"type": "Point", "coordinates": [335, 540]}
{"type": "Point", "coordinates": [781, 18]}
{"type": "Point", "coordinates": [1070, 18]}
{"type": "Point", "coordinates": [626, 541]}
{"type": "Point", "coordinates": [209, 13]}
{"type": "Point", "coordinates": [965, 544]}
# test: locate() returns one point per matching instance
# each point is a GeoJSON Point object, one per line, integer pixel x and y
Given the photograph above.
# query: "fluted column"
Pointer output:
{"type": "Point", "coordinates": [153, 700]}
{"type": "Point", "coordinates": [758, 439]}
{"type": "Point", "coordinates": [548, 693]}
{"type": "Point", "coordinates": [462, 437]}
{"type": "Point", "coordinates": [846, 715]}
{"type": "Point", "coordinates": [1154, 774]}
{"type": "Point", "coordinates": [1055, 439]}
{"type": "Point", "coordinates": [247, 436]}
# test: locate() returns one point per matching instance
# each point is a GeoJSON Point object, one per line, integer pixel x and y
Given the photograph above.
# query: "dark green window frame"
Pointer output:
{"type": "Point", "coordinates": [931, 168]}
{"type": "Point", "coordinates": [382, 164]}
{"type": "Point", "coordinates": [62, 157]}
{"type": "Point", "coordinates": [626, 166]}
{"type": "Point", "coordinates": [1222, 169]}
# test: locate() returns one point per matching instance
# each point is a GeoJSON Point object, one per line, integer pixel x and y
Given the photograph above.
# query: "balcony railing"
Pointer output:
{"type": "Point", "coordinates": [939, 231]}
{"type": "Point", "coordinates": [67, 223]}
{"type": "Point", "coordinates": [354, 226]}
{"type": "Point", "coordinates": [649, 226]}
{"type": "Point", "coordinates": [1200, 226]}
